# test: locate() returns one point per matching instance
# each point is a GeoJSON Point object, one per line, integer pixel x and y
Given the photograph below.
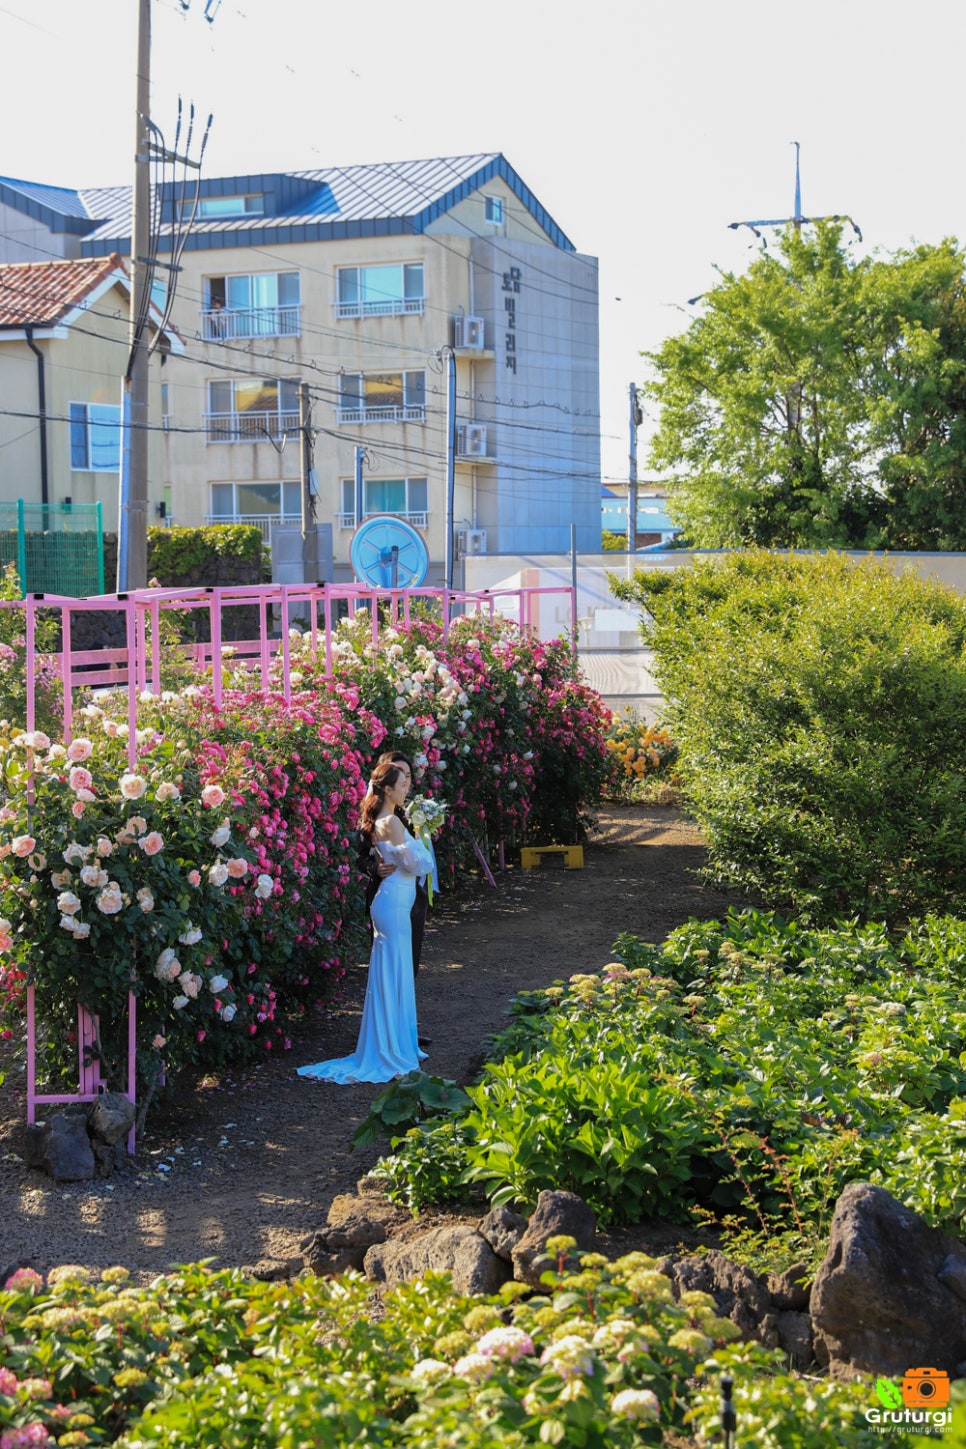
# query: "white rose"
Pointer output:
{"type": "Point", "coordinates": [180, 1002]}
{"type": "Point", "coordinates": [191, 983]}
{"type": "Point", "coordinates": [264, 887]}
{"type": "Point", "coordinates": [133, 786]}
{"type": "Point", "coordinates": [228, 1013]}
{"type": "Point", "coordinates": [220, 836]}
{"type": "Point", "coordinates": [67, 903]}
{"type": "Point", "coordinates": [218, 874]}
{"type": "Point", "coordinates": [218, 983]}
{"type": "Point", "coordinates": [191, 935]}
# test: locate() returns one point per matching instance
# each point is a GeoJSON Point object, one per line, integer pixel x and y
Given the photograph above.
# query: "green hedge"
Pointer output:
{"type": "Point", "coordinates": [188, 555]}
{"type": "Point", "coordinates": [820, 710]}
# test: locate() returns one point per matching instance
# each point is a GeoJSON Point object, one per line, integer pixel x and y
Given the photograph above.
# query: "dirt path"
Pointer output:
{"type": "Point", "coordinates": [243, 1169]}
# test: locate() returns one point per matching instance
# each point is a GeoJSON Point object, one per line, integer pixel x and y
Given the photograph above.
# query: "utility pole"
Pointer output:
{"type": "Point", "coordinates": [798, 220]}
{"type": "Point", "coordinates": [132, 554]}
{"type": "Point", "coordinates": [635, 421]}
{"type": "Point", "coordinates": [310, 532]}
{"type": "Point", "coordinates": [450, 459]}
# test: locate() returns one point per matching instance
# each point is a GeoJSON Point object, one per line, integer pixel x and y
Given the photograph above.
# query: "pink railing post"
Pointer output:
{"type": "Point", "coordinates": [286, 647]}
{"type": "Point", "coordinates": [264, 653]}
{"type": "Point", "coordinates": [89, 1075]}
{"type": "Point", "coordinates": [156, 646]}
{"type": "Point", "coordinates": [327, 607]}
{"type": "Point", "coordinates": [65, 672]}
{"type": "Point", "coordinates": [31, 661]}
{"type": "Point", "coordinates": [132, 691]}
{"type": "Point", "coordinates": [214, 629]}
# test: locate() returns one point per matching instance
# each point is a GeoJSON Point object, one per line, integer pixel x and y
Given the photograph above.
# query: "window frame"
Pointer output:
{"type": "Point", "coordinates": [222, 320]}
{"type": "Point", "coordinates": [494, 204]}
{"type": "Point", "coordinates": [402, 304]}
{"type": "Point", "coordinates": [87, 423]}
{"type": "Point", "coordinates": [411, 407]}
{"type": "Point", "coordinates": [239, 425]}
{"type": "Point", "coordinates": [412, 513]}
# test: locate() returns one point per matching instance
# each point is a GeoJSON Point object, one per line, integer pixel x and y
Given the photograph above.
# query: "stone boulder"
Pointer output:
{"type": "Point", "coordinates": [62, 1147]}
{"type": "Point", "coordinates": [738, 1293]}
{"type": "Point", "coordinates": [337, 1249]}
{"type": "Point", "coordinates": [111, 1118]}
{"type": "Point", "coordinates": [458, 1250]}
{"type": "Point", "coordinates": [557, 1214]}
{"type": "Point", "coordinates": [891, 1292]}
{"type": "Point", "coordinates": [503, 1230]}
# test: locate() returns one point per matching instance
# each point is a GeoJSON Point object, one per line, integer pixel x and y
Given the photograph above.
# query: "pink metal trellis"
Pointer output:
{"type": "Point", "coordinates": [137, 667]}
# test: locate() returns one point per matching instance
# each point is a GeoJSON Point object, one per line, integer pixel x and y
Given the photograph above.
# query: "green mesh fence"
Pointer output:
{"type": "Point", "coordinates": [58, 548]}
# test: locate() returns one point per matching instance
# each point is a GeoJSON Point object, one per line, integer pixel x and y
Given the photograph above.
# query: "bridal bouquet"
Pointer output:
{"type": "Point", "coordinates": [427, 818]}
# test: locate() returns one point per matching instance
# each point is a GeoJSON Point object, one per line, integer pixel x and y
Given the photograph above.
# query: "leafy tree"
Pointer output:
{"type": "Point", "coordinates": [820, 401]}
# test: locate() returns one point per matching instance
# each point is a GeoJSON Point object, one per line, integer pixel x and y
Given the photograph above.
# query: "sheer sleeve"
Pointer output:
{"type": "Point", "coordinates": [411, 856]}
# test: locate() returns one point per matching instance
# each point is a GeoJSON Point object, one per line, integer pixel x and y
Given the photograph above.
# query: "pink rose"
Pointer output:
{"type": "Point", "coordinates": [133, 786]}
{"type": "Point", "coordinates": [212, 796]}
{"type": "Point", "coordinates": [23, 845]}
{"type": "Point", "coordinates": [80, 779]}
{"type": "Point", "coordinates": [194, 877]}
{"type": "Point", "coordinates": [237, 868]}
{"type": "Point", "coordinates": [152, 843]}
{"type": "Point", "coordinates": [80, 750]}
{"type": "Point", "coordinates": [77, 809]}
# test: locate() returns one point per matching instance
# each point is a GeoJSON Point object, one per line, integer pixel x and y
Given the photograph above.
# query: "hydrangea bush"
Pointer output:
{"type": "Point", "coordinates": [603, 1357]}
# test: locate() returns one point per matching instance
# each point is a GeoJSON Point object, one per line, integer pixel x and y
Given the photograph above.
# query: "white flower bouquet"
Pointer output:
{"type": "Point", "coordinates": [427, 817]}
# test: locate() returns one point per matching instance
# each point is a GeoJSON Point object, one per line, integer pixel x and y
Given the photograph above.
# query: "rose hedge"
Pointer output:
{"type": "Point", "coordinates": [216, 877]}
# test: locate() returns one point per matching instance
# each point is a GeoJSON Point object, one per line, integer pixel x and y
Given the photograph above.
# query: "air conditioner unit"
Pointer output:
{"type": "Point", "coordinates": [471, 440]}
{"type": "Point", "coordinates": [471, 541]}
{"type": "Point", "coordinates": [468, 333]}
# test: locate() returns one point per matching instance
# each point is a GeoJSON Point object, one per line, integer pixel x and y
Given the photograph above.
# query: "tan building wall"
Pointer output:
{"type": "Point", "coordinates": [79, 367]}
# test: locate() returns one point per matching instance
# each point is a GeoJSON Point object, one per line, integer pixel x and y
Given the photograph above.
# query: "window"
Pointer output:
{"type": "Point", "coordinates": [251, 410]}
{"type": "Point", "coordinates": [380, 291]}
{"type": "Point", "coordinates": [382, 397]}
{"type": "Point", "coordinates": [95, 438]}
{"type": "Point", "coordinates": [165, 404]}
{"type": "Point", "coordinates": [266, 304]}
{"type": "Point", "coordinates": [220, 206]}
{"type": "Point", "coordinates": [406, 497]}
{"type": "Point", "coordinates": [261, 504]}
{"type": "Point", "coordinates": [494, 209]}
{"type": "Point", "coordinates": [255, 500]}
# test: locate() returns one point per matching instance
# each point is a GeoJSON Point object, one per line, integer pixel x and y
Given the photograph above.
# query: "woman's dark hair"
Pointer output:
{"type": "Point", "coordinates": [384, 777]}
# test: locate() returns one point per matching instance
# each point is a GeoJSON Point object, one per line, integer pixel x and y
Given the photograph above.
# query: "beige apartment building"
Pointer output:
{"type": "Point", "coordinates": [356, 281]}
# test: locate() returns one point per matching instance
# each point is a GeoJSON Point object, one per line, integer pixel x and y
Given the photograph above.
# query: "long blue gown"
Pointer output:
{"type": "Point", "coordinates": [387, 1045]}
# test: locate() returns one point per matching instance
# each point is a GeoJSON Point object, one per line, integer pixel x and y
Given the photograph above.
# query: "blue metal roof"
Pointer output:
{"type": "Point", "coordinates": [378, 199]}
{"type": "Point", "coordinates": [57, 207]}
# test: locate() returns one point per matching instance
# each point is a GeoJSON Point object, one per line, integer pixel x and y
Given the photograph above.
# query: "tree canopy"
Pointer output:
{"type": "Point", "coordinates": [819, 400]}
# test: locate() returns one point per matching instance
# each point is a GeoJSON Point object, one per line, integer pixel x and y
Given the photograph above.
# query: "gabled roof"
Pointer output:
{"type": "Point", "coordinates": [336, 202]}
{"type": "Point", "coordinates": [43, 294]}
{"type": "Point", "coordinates": [50, 296]}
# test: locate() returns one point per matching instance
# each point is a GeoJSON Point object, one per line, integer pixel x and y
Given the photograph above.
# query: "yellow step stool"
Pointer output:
{"type": "Point", "coordinates": [573, 855]}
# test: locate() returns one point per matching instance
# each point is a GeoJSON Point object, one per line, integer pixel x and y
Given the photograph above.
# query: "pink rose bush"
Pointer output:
{"type": "Point", "coordinates": [221, 849]}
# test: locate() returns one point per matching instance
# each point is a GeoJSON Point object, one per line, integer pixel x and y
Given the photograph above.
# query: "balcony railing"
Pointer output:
{"type": "Point", "coordinates": [391, 307]}
{"type": "Point", "coordinates": [249, 427]}
{"type": "Point", "coordinates": [418, 520]}
{"type": "Point", "coordinates": [382, 415]}
{"type": "Point", "coordinates": [262, 521]}
{"type": "Point", "coordinates": [224, 324]}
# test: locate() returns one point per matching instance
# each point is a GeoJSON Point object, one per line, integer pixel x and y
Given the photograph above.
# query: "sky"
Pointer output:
{"type": "Point", "coordinates": [644, 128]}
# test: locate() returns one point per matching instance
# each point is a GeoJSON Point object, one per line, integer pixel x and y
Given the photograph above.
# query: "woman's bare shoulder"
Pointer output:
{"type": "Point", "coordinates": [390, 828]}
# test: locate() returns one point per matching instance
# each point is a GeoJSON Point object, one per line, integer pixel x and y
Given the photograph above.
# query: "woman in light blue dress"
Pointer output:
{"type": "Point", "coordinates": [387, 1045]}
